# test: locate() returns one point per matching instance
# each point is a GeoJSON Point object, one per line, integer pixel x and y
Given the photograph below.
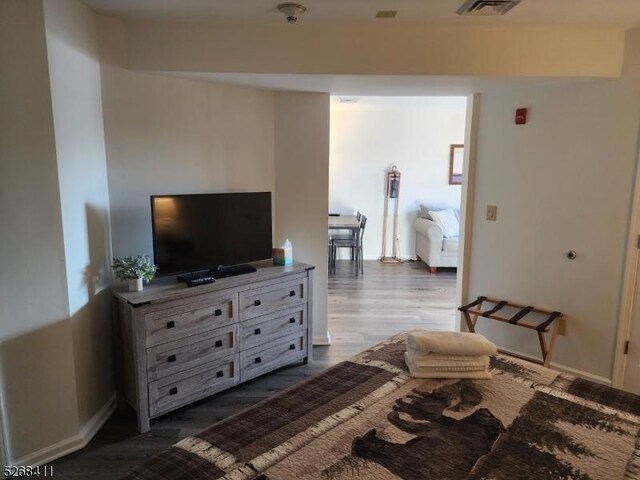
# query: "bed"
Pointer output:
{"type": "Point", "coordinates": [367, 419]}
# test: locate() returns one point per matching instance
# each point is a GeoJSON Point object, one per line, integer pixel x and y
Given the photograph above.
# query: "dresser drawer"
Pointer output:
{"type": "Point", "coordinates": [264, 358]}
{"type": "Point", "coordinates": [185, 387]}
{"type": "Point", "coordinates": [186, 353]}
{"type": "Point", "coordinates": [173, 323]}
{"type": "Point", "coordinates": [271, 298]}
{"type": "Point", "coordinates": [267, 328]}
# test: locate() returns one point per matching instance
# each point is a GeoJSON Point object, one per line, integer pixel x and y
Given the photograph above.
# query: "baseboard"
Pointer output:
{"type": "Point", "coordinates": [50, 453]}
{"type": "Point", "coordinates": [579, 373]}
{"type": "Point", "coordinates": [326, 340]}
{"type": "Point", "coordinates": [89, 430]}
{"type": "Point", "coordinates": [72, 444]}
{"type": "Point", "coordinates": [570, 370]}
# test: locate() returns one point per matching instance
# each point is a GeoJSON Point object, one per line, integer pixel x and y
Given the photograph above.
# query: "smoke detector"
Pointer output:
{"type": "Point", "coordinates": [292, 11]}
{"type": "Point", "coordinates": [487, 7]}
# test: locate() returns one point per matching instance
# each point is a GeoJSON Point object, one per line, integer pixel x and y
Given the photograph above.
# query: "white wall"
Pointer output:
{"type": "Point", "coordinates": [168, 135]}
{"type": "Point", "coordinates": [36, 349]}
{"type": "Point", "coordinates": [74, 71]}
{"type": "Point", "coordinates": [561, 182]}
{"type": "Point", "coordinates": [414, 133]}
{"type": "Point", "coordinates": [302, 175]}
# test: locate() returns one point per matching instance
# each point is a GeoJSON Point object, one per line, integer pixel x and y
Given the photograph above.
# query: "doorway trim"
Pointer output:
{"type": "Point", "coordinates": [625, 312]}
{"type": "Point", "coordinates": [467, 203]}
{"type": "Point", "coordinates": [4, 454]}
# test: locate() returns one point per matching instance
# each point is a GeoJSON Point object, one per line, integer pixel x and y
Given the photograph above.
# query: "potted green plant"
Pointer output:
{"type": "Point", "coordinates": [134, 270]}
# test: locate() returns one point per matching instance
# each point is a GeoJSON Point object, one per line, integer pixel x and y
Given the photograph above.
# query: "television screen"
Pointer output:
{"type": "Point", "coordinates": [197, 232]}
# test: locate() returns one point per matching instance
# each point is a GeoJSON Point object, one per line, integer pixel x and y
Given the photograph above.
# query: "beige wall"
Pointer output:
{"type": "Point", "coordinates": [397, 49]}
{"type": "Point", "coordinates": [414, 133]}
{"type": "Point", "coordinates": [171, 135]}
{"type": "Point", "coordinates": [168, 135]}
{"type": "Point", "coordinates": [563, 181]}
{"type": "Point", "coordinates": [36, 349]}
{"type": "Point", "coordinates": [74, 71]}
{"type": "Point", "coordinates": [302, 177]}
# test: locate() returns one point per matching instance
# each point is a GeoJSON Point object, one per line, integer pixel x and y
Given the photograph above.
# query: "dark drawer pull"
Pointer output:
{"type": "Point", "coordinates": [257, 303]}
{"type": "Point", "coordinates": [173, 391]}
{"type": "Point", "coordinates": [292, 293]}
{"type": "Point", "coordinates": [218, 343]}
{"type": "Point", "coordinates": [171, 358]}
{"type": "Point", "coordinates": [218, 312]}
{"type": "Point", "coordinates": [171, 324]}
{"type": "Point", "coordinates": [219, 374]}
{"type": "Point", "coordinates": [292, 320]}
{"type": "Point", "coordinates": [292, 347]}
{"type": "Point", "coordinates": [257, 360]}
{"type": "Point", "coordinates": [257, 331]}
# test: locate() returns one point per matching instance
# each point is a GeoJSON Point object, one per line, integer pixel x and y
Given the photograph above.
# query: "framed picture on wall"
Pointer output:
{"type": "Point", "coordinates": [456, 158]}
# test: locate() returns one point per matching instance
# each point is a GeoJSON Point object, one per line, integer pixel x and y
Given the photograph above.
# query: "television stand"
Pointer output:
{"type": "Point", "coordinates": [222, 271]}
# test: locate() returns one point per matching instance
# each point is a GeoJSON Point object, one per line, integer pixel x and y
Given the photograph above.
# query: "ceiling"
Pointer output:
{"type": "Point", "coordinates": [606, 13]}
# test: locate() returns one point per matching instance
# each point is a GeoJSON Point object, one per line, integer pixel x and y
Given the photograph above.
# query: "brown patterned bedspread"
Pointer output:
{"type": "Point", "coordinates": [367, 419]}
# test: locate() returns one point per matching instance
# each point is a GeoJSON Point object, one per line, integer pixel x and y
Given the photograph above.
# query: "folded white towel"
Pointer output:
{"type": "Point", "coordinates": [417, 372]}
{"type": "Point", "coordinates": [453, 359]}
{"type": "Point", "coordinates": [425, 361]}
{"type": "Point", "coordinates": [450, 343]}
{"type": "Point", "coordinates": [484, 375]}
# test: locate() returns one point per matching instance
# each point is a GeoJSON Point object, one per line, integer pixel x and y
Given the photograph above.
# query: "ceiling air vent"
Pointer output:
{"type": "Point", "coordinates": [386, 13]}
{"type": "Point", "coordinates": [487, 7]}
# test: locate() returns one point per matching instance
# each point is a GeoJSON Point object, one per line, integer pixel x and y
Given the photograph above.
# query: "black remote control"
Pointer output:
{"type": "Point", "coordinates": [200, 281]}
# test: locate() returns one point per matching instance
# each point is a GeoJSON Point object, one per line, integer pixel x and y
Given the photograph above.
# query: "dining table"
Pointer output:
{"type": "Point", "coordinates": [344, 222]}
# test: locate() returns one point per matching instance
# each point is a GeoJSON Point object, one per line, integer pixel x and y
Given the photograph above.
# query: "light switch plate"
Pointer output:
{"type": "Point", "coordinates": [492, 212]}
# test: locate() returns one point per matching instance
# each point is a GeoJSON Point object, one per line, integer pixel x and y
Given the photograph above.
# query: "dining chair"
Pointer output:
{"type": "Point", "coordinates": [353, 242]}
{"type": "Point", "coordinates": [331, 257]}
{"type": "Point", "coordinates": [360, 254]}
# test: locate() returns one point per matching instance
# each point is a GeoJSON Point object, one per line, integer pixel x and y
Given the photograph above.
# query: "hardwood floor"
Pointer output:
{"type": "Point", "coordinates": [362, 310]}
{"type": "Point", "coordinates": [387, 299]}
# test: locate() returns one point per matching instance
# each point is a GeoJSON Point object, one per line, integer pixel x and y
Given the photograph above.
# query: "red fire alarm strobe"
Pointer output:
{"type": "Point", "coordinates": [521, 116]}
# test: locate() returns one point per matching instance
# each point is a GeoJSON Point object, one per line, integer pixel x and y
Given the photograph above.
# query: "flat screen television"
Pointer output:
{"type": "Point", "coordinates": [204, 231]}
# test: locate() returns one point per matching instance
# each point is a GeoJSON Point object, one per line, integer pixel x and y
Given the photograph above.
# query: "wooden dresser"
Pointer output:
{"type": "Point", "coordinates": [176, 345]}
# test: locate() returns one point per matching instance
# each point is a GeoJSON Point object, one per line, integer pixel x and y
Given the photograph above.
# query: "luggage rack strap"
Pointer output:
{"type": "Point", "coordinates": [498, 306]}
{"type": "Point", "coordinates": [543, 326]}
{"type": "Point", "coordinates": [477, 301]}
{"type": "Point", "coordinates": [518, 316]}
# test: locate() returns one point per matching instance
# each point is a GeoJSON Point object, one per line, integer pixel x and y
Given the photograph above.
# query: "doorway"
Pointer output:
{"type": "Point", "coordinates": [630, 378]}
{"type": "Point", "coordinates": [626, 369]}
{"type": "Point", "coordinates": [369, 135]}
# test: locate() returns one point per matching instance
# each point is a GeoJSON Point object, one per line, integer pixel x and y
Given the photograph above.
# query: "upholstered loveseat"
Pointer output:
{"type": "Point", "coordinates": [433, 246]}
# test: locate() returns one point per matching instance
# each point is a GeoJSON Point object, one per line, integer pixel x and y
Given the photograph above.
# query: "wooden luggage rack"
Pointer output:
{"type": "Point", "coordinates": [549, 323]}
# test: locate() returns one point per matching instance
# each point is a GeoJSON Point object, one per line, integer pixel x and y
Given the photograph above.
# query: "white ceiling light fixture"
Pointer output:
{"type": "Point", "coordinates": [292, 11]}
{"type": "Point", "coordinates": [487, 7]}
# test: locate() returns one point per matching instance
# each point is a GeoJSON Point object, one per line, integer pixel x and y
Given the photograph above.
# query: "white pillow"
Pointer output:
{"type": "Point", "coordinates": [448, 222]}
{"type": "Point", "coordinates": [425, 209]}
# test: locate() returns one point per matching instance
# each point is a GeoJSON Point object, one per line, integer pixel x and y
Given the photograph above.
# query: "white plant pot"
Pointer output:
{"type": "Point", "coordinates": [135, 284]}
